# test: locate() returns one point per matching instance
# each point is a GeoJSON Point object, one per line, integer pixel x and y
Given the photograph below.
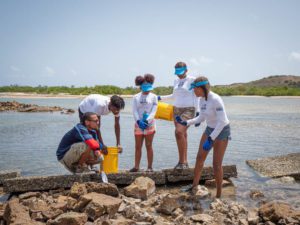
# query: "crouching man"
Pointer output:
{"type": "Point", "coordinates": [80, 147]}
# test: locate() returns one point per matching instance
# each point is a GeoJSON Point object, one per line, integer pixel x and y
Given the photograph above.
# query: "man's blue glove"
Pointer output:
{"type": "Point", "coordinates": [208, 144]}
{"type": "Point", "coordinates": [158, 98]}
{"type": "Point", "coordinates": [179, 120]}
{"type": "Point", "coordinates": [197, 124]}
{"type": "Point", "coordinates": [142, 124]}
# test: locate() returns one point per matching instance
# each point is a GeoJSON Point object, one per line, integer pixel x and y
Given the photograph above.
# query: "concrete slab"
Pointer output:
{"type": "Point", "coordinates": [278, 166]}
{"type": "Point", "coordinates": [7, 174]}
{"type": "Point", "coordinates": [42, 183]}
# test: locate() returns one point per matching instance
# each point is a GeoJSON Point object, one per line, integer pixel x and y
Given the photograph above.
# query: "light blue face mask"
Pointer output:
{"type": "Point", "coordinates": [198, 84]}
{"type": "Point", "coordinates": [180, 70]}
{"type": "Point", "coordinates": [146, 87]}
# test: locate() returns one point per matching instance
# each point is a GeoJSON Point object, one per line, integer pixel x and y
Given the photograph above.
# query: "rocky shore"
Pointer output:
{"type": "Point", "coordinates": [20, 107]}
{"type": "Point", "coordinates": [141, 202]}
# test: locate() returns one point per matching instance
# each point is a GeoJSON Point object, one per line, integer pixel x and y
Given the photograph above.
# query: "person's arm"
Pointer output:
{"type": "Point", "coordinates": [134, 110]}
{"type": "Point", "coordinates": [117, 129]}
{"type": "Point", "coordinates": [153, 109]}
{"type": "Point", "coordinates": [86, 137]}
{"type": "Point", "coordinates": [221, 118]}
{"type": "Point", "coordinates": [196, 120]}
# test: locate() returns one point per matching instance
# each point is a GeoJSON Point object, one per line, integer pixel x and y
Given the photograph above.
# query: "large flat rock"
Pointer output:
{"type": "Point", "coordinates": [278, 166]}
{"type": "Point", "coordinates": [42, 183]}
{"type": "Point", "coordinates": [7, 174]}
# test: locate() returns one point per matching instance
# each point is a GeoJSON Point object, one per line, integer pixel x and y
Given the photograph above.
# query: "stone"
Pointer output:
{"type": "Point", "coordinates": [256, 194]}
{"type": "Point", "coordinates": [52, 213]}
{"type": "Point", "coordinates": [8, 174]}
{"type": "Point", "coordinates": [243, 222]}
{"type": "Point", "coordinates": [37, 216]}
{"type": "Point", "coordinates": [70, 218]}
{"type": "Point", "coordinates": [77, 190]}
{"type": "Point", "coordinates": [141, 188]}
{"type": "Point", "coordinates": [29, 195]}
{"type": "Point", "coordinates": [275, 211]}
{"type": "Point", "coordinates": [96, 205]}
{"type": "Point", "coordinates": [212, 183]}
{"type": "Point", "coordinates": [168, 204]}
{"type": "Point", "coordinates": [202, 218]}
{"type": "Point", "coordinates": [102, 188]}
{"type": "Point", "coordinates": [16, 213]}
{"type": "Point", "coordinates": [200, 192]}
{"type": "Point", "coordinates": [286, 180]}
{"type": "Point", "coordinates": [43, 183]}
{"type": "Point", "coordinates": [122, 221]}
{"type": "Point", "coordinates": [38, 205]}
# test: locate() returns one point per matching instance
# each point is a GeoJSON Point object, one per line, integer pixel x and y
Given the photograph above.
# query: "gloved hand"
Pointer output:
{"type": "Point", "coordinates": [142, 124]}
{"type": "Point", "coordinates": [208, 144]}
{"type": "Point", "coordinates": [179, 120]}
{"type": "Point", "coordinates": [197, 124]}
{"type": "Point", "coordinates": [158, 97]}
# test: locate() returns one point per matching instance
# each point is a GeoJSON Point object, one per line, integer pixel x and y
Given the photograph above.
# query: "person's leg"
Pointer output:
{"type": "Point", "coordinates": [148, 142]}
{"type": "Point", "coordinates": [185, 148]}
{"type": "Point", "coordinates": [201, 157]}
{"type": "Point", "coordinates": [218, 155]}
{"type": "Point", "coordinates": [139, 139]}
{"type": "Point", "coordinates": [180, 134]}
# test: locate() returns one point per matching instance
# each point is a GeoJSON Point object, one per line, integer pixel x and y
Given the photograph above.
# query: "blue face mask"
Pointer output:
{"type": "Point", "coordinates": [180, 70]}
{"type": "Point", "coordinates": [198, 84]}
{"type": "Point", "coordinates": [146, 87]}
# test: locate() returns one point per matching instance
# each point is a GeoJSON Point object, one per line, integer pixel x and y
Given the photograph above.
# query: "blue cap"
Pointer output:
{"type": "Point", "coordinates": [198, 84]}
{"type": "Point", "coordinates": [146, 87]}
{"type": "Point", "coordinates": [180, 70]}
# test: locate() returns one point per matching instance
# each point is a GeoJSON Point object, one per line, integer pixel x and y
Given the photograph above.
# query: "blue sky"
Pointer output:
{"type": "Point", "coordinates": [86, 43]}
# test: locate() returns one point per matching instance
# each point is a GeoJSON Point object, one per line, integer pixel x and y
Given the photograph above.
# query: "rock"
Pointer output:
{"type": "Point", "coordinates": [253, 217]}
{"type": "Point", "coordinates": [200, 192]}
{"type": "Point", "coordinates": [77, 190]}
{"type": "Point", "coordinates": [202, 218]}
{"type": "Point", "coordinates": [286, 180]}
{"type": "Point", "coordinates": [122, 221]}
{"type": "Point", "coordinates": [256, 194]}
{"type": "Point", "coordinates": [38, 205]}
{"type": "Point", "coordinates": [8, 174]}
{"type": "Point", "coordinates": [168, 204]}
{"type": "Point", "coordinates": [274, 211]}
{"type": "Point", "coordinates": [269, 223]}
{"type": "Point", "coordinates": [212, 183]}
{"type": "Point", "coordinates": [71, 203]}
{"type": "Point", "coordinates": [70, 218]}
{"type": "Point", "coordinates": [243, 222]}
{"type": "Point", "coordinates": [177, 212]}
{"type": "Point", "coordinates": [96, 205]}
{"type": "Point", "coordinates": [141, 188]}
{"type": "Point", "coordinates": [29, 195]}
{"type": "Point", "coordinates": [16, 213]}
{"type": "Point", "coordinates": [37, 216]}
{"type": "Point", "coordinates": [102, 188]}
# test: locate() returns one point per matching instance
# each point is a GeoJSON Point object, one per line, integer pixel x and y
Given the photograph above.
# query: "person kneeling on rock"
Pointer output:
{"type": "Point", "coordinates": [80, 146]}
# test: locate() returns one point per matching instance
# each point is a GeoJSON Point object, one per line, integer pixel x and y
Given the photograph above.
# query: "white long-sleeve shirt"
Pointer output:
{"type": "Point", "coordinates": [213, 112]}
{"type": "Point", "coordinates": [183, 97]}
{"type": "Point", "coordinates": [144, 103]}
{"type": "Point", "coordinates": [95, 103]}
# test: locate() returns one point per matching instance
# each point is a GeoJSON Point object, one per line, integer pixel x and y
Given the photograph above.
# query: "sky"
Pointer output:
{"type": "Point", "coordinates": [87, 43]}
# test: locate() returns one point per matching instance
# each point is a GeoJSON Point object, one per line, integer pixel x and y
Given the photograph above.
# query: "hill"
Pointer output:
{"type": "Point", "coordinates": [273, 81]}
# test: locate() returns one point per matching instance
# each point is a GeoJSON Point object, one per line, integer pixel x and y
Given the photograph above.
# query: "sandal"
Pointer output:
{"type": "Point", "coordinates": [179, 166]}
{"type": "Point", "coordinates": [134, 170]}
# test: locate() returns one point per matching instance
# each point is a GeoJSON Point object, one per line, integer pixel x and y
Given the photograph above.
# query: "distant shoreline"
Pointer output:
{"type": "Point", "coordinates": [64, 95]}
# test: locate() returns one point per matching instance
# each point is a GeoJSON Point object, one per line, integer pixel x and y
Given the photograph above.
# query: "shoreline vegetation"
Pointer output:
{"type": "Point", "coordinates": [278, 85]}
{"type": "Point", "coordinates": [64, 91]}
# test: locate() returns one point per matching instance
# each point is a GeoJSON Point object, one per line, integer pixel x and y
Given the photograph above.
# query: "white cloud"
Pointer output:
{"type": "Point", "coordinates": [49, 71]}
{"type": "Point", "coordinates": [14, 68]}
{"type": "Point", "coordinates": [295, 56]}
{"type": "Point", "coordinates": [201, 60]}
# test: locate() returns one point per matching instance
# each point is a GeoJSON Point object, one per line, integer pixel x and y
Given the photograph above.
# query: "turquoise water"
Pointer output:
{"type": "Point", "coordinates": [261, 127]}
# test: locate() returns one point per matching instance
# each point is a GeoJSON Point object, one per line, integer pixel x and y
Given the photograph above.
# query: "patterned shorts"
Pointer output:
{"type": "Point", "coordinates": [185, 113]}
{"type": "Point", "coordinates": [150, 130]}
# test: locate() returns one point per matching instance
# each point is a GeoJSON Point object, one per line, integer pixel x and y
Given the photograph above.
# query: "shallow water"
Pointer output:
{"type": "Point", "coordinates": [261, 127]}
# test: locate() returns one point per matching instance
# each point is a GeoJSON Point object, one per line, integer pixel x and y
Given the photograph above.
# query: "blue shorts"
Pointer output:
{"type": "Point", "coordinates": [224, 135]}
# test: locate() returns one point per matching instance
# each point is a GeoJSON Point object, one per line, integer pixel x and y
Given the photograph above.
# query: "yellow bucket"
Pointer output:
{"type": "Point", "coordinates": [110, 162]}
{"type": "Point", "coordinates": [164, 111]}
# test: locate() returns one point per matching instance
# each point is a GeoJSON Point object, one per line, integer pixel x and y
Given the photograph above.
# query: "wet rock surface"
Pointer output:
{"type": "Point", "coordinates": [91, 203]}
{"type": "Point", "coordinates": [20, 107]}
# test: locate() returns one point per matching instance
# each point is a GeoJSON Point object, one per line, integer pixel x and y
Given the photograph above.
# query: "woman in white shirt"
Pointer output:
{"type": "Point", "coordinates": [185, 106]}
{"type": "Point", "coordinates": [144, 108]}
{"type": "Point", "coordinates": [216, 134]}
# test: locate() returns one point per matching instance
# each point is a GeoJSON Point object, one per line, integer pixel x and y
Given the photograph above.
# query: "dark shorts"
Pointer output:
{"type": "Point", "coordinates": [224, 135]}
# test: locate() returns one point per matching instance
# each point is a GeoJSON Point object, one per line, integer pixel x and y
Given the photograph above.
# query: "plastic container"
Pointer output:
{"type": "Point", "coordinates": [111, 162]}
{"type": "Point", "coordinates": [164, 111]}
